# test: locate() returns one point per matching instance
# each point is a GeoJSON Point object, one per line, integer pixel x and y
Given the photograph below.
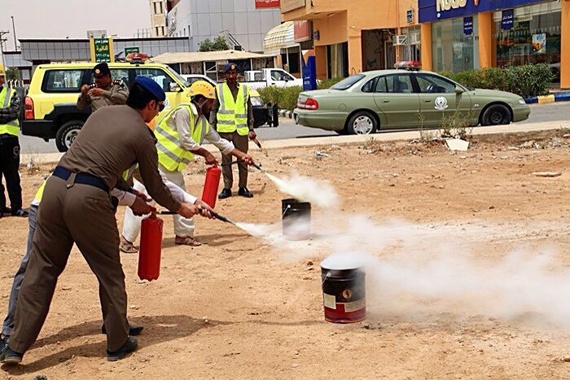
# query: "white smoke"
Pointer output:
{"type": "Point", "coordinates": [418, 271]}
{"type": "Point", "coordinates": [318, 192]}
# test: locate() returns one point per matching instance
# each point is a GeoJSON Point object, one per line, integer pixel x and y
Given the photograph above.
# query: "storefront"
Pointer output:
{"type": "Point", "coordinates": [472, 34]}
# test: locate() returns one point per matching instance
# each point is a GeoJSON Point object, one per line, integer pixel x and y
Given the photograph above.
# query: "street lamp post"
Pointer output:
{"type": "Point", "coordinates": [14, 29]}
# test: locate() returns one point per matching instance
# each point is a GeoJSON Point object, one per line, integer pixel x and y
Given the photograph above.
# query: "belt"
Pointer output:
{"type": "Point", "coordinates": [82, 178]}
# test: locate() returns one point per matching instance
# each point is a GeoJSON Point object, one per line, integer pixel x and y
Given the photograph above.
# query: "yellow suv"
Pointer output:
{"type": "Point", "coordinates": [50, 109]}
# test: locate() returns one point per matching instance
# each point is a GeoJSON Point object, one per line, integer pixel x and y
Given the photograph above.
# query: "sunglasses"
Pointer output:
{"type": "Point", "coordinates": [160, 106]}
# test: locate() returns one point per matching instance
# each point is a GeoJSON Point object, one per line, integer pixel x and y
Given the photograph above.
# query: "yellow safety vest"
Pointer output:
{"type": "Point", "coordinates": [232, 115]}
{"type": "Point", "coordinates": [40, 193]}
{"type": "Point", "coordinates": [170, 154]}
{"type": "Point", "coordinates": [12, 127]}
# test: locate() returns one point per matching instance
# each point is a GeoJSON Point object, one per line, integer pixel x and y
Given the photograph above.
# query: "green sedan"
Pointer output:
{"type": "Point", "coordinates": [388, 99]}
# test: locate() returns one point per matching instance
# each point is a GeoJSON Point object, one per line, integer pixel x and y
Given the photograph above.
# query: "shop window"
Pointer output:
{"type": "Point", "coordinates": [533, 38]}
{"type": "Point", "coordinates": [453, 50]}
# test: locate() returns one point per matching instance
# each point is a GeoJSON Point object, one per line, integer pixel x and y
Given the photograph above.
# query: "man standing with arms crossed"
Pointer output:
{"type": "Point", "coordinates": [232, 116]}
{"type": "Point", "coordinates": [76, 208]}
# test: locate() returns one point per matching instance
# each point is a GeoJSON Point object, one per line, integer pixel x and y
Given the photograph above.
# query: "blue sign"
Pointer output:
{"type": "Point", "coordinates": [435, 10]}
{"type": "Point", "coordinates": [468, 25]}
{"type": "Point", "coordinates": [309, 73]}
{"type": "Point", "coordinates": [507, 19]}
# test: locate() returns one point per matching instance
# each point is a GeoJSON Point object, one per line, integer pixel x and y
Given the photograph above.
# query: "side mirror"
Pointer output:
{"type": "Point", "coordinates": [459, 90]}
{"type": "Point", "coordinates": [174, 87]}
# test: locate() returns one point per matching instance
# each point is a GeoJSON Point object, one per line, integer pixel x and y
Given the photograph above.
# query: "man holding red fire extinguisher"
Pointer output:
{"type": "Point", "coordinates": [78, 191]}
{"type": "Point", "coordinates": [180, 134]}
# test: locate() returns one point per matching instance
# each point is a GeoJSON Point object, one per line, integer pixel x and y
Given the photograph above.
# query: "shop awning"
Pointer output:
{"type": "Point", "coordinates": [280, 37]}
{"type": "Point", "coordinates": [203, 56]}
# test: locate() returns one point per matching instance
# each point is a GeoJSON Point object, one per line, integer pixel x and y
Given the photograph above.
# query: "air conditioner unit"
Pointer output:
{"type": "Point", "coordinates": [399, 40]}
{"type": "Point", "coordinates": [415, 38]}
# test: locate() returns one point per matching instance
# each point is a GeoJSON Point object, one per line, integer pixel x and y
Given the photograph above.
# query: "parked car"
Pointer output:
{"type": "Point", "coordinates": [50, 107]}
{"type": "Point", "coordinates": [270, 77]}
{"type": "Point", "coordinates": [390, 99]}
{"type": "Point", "coordinates": [191, 78]}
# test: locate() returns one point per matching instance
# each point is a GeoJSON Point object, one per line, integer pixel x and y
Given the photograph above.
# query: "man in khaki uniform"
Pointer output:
{"type": "Point", "coordinates": [104, 92]}
{"type": "Point", "coordinates": [76, 208]}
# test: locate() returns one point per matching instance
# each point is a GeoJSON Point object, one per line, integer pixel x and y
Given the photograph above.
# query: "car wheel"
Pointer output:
{"type": "Point", "coordinates": [496, 114]}
{"type": "Point", "coordinates": [362, 123]}
{"type": "Point", "coordinates": [66, 134]}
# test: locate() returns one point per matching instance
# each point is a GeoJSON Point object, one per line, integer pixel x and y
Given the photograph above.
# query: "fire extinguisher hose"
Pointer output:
{"type": "Point", "coordinates": [214, 214]}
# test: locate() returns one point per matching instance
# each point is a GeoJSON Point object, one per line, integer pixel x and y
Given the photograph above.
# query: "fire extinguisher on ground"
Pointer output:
{"type": "Point", "coordinates": [150, 249]}
{"type": "Point", "coordinates": [211, 184]}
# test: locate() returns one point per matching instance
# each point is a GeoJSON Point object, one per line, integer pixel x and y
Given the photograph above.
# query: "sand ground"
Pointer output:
{"type": "Point", "coordinates": [466, 258]}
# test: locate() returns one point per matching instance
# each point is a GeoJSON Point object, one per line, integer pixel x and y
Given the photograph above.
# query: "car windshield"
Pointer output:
{"type": "Point", "coordinates": [175, 74]}
{"type": "Point", "coordinates": [347, 83]}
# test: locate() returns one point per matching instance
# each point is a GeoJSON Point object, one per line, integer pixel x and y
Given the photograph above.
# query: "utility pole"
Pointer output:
{"type": "Point", "coordinates": [14, 29]}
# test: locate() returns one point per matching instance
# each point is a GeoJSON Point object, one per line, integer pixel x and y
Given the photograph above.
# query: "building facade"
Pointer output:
{"type": "Point", "coordinates": [459, 35]}
{"type": "Point", "coordinates": [158, 18]}
{"type": "Point", "coordinates": [244, 23]}
{"type": "Point", "coordinates": [354, 36]}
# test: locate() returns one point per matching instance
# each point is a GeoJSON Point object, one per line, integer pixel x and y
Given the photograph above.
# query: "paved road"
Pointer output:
{"type": "Point", "coordinates": [287, 128]}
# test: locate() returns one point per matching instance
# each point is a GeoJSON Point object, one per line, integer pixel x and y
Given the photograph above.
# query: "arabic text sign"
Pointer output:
{"type": "Point", "coordinates": [102, 47]}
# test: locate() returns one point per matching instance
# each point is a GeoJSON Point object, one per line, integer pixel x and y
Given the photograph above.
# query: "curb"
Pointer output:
{"type": "Point", "coordinates": [50, 158]}
{"type": "Point", "coordinates": [550, 98]}
{"type": "Point", "coordinates": [286, 113]}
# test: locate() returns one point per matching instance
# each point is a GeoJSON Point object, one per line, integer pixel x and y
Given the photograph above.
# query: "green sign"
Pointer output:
{"type": "Point", "coordinates": [102, 48]}
{"type": "Point", "coordinates": [132, 49]}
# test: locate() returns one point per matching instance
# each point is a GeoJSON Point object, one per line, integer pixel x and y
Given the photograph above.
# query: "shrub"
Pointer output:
{"type": "Point", "coordinates": [328, 83]}
{"type": "Point", "coordinates": [284, 97]}
{"type": "Point", "coordinates": [493, 78]}
{"type": "Point", "coordinates": [469, 78]}
{"type": "Point", "coordinates": [529, 80]}
{"type": "Point", "coordinates": [525, 80]}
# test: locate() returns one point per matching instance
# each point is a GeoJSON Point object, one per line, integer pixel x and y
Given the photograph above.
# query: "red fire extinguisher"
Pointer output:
{"type": "Point", "coordinates": [149, 253]}
{"type": "Point", "coordinates": [211, 184]}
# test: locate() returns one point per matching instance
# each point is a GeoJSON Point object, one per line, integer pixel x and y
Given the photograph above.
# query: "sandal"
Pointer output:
{"type": "Point", "coordinates": [128, 247]}
{"type": "Point", "coordinates": [187, 240]}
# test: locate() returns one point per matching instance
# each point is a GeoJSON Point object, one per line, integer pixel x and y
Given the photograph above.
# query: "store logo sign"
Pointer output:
{"type": "Point", "coordinates": [446, 5]}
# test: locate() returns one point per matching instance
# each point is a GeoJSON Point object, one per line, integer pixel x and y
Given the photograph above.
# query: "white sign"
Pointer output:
{"type": "Point", "coordinates": [440, 103]}
{"type": "Point", "coordinates": [445, 5]}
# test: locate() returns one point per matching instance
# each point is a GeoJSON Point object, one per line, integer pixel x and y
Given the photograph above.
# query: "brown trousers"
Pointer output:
{"type": "Point", "coordinates": [240, 143]}
{"type": "Point", "coordinates": [83, 215]}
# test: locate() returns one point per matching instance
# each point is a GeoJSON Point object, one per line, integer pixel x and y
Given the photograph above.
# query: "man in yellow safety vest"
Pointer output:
{"type": "Point", "coordinates": [10, 147]}
{"type": "Point", "coordinates": [232, 116]}
{"type": "Point", "coordinates": [180, 134]}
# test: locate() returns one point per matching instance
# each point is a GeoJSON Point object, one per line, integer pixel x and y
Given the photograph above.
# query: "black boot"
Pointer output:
{"type": "Point", "coordinates": [225, 193]}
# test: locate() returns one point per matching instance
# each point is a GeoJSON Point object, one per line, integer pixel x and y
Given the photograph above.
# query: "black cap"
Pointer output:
{"type": "Point", "coordinates": [229, 66]}
{"type": "Point", "coordinates": [101, 69]}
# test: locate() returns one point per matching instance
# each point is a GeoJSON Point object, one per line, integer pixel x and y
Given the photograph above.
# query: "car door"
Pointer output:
{"type": "Point", "coordinates": [440, 101]}
{"type": "Point", "coordinates": [395, 98]}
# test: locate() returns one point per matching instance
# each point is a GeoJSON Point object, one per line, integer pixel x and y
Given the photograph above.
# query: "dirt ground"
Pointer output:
{"type": "Point", "coordinates": [466, 257]}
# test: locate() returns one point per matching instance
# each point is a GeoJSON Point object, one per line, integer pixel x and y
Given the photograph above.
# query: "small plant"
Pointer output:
{"type": "Point", "coordinates": [457, 125]}
{"type": "Point", "coordinates": [372, 146]}
{"type": "Point", "coordinates": [426, 135]}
